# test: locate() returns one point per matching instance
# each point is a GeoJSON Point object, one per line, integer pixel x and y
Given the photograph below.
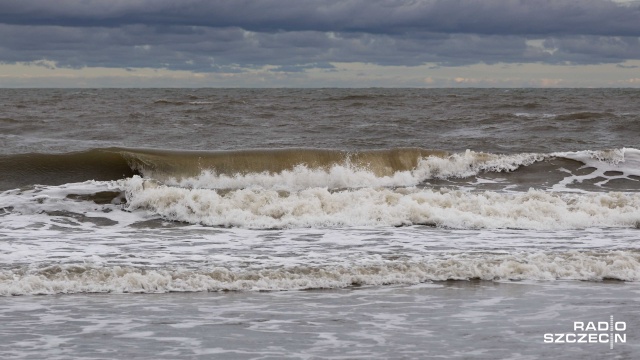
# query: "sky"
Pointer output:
{"type": "Point", "coordinates": [319, 43]}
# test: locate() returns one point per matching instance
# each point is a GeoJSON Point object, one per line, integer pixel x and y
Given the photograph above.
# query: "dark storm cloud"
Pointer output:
{"type": "Point", "coordinates": [295, 35]}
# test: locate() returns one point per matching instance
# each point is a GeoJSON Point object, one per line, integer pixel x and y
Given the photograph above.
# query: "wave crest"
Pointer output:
{"type": "Point", "coordinates": [586, 266]}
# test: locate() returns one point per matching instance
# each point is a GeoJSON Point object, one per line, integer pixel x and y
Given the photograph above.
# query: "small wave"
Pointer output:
{"type": "Point", "coordinates": [200, 102]}
{"type": "Point", "coordinates": [362, 97]}
{"type": "Point", "coordinates": [585, 115]}
{"type": "Point", "coordinates": [87, 278]}
{"type": "Point", "coordinates": [169, 102]}
{"type": "Point", "coordinates": [535, 115]}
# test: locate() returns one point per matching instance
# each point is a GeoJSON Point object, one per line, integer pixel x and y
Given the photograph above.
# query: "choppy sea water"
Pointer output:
{"type": "Point", "coordinates": [329, 223]}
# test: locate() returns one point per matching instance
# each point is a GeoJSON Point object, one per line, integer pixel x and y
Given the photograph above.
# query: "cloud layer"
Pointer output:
{"type": "Point", "coordinates": [294, 35]}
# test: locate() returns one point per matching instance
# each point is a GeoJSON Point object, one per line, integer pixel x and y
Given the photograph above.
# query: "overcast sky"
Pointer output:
{"type": "Point", "coordinates": [316, 43]}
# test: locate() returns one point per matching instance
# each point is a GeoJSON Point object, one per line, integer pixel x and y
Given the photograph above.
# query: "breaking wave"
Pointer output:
{"type": "Point", "coordinates": [293, 188]}
{"type": "Point", "coordinates": [321, 207]}
{"type": "Point", "coordinates": [87, 278]}
{"type": "Point", "coordinates": [302, 168]}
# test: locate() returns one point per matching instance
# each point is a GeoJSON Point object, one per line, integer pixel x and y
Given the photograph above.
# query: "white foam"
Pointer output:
{"type": "Point", "coordinates": [519, 266]}
{"type": "Point", "coordinates": [320, 207]}
{"type": "Point", "coordinates": [301, 177]}
{"type": "Point", "coordinates": [33, 207]}
{"type": "Point", "coordinates": [620, 163]}
{"type": "Point", "coordinates": [471, 163]}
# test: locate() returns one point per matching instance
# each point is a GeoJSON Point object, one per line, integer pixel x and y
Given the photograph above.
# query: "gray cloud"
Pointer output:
{"type": "Point", "coordinates": [523, 17]}
{"type": "Point", "coordinates": [294, 35]}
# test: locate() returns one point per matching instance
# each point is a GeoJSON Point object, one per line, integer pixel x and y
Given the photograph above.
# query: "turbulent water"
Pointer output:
{"type": "Point", "coordinates": [202, 190]}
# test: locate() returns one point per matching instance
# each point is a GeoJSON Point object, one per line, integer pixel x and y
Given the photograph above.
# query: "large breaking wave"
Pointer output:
{"type": "Point", "coordinates": [302, 168]}
{"type": "Point", "coordinates": [291, 188]}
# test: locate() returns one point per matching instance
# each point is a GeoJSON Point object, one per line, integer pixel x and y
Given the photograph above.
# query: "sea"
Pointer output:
{"type": "Point", "coordinates": [319, 223]}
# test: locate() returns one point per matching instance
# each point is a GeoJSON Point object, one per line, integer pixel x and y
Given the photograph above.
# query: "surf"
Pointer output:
{"type": "Point", "coordinates": [293, 169]}
{"type": "Point", "coordinates": [533, 266]}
